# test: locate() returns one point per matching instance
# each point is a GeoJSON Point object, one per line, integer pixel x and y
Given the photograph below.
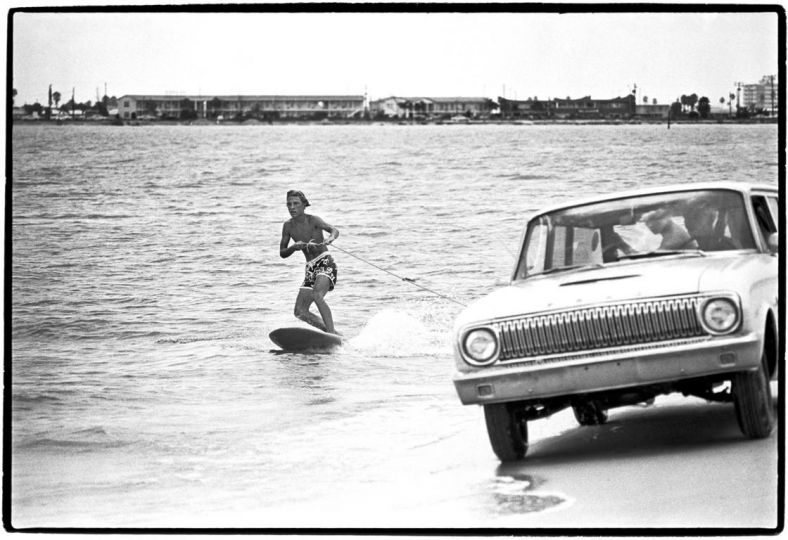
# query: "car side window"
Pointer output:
{"type": "Point", "coordinates": [766, 224]}
{"type": "Point", "coordinates": [775, 210]}
{"type": "Point", "coordinates": [534, 260]}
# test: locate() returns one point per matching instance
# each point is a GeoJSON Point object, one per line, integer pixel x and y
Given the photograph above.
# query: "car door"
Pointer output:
{"type": "Point", "coordinates": [765, 208]}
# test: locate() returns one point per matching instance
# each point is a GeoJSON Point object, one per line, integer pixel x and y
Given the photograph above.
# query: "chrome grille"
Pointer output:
{"type": "Point", "coordinates": [599, 327]}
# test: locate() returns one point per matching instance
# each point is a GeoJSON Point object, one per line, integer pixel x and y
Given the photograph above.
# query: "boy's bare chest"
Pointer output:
{"type": "Point", "coordinates": [302, 231]}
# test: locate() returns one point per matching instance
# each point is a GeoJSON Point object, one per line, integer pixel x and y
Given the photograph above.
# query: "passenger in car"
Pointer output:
{"type": "Point", "coordinates": [673, 235]}
{"type": "Point", "coordinates": [706, 226]}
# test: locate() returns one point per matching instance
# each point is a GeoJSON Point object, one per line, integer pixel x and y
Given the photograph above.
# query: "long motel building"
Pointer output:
{"type": "Point", "coordinates": [135, 106]}
{"type": "Point", "coordinates": [431, 107]}
{"type": "Point", "coordinates": [585, 107]}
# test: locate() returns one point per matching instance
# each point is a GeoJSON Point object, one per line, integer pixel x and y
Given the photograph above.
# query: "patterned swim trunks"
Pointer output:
{"type": "Point", "coordinates": [322, 265]}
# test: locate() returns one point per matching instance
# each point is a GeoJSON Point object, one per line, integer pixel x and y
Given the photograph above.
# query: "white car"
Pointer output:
{"type": "Point", "coordinates": [618, 299]}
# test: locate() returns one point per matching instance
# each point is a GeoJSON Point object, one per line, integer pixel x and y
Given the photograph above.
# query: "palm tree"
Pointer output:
{"type": "Point", "coordinates": [704, 107]}
{"type": "Point", "coordinates": [693, 99]}
{"type": "Point", "coordinates": [56, 98]}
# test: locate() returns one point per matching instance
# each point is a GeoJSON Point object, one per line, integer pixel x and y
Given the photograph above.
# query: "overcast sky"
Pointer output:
{"type": "Point", "coordinates": [518, 55]}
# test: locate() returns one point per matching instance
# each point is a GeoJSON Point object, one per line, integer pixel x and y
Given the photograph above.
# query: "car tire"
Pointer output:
{"type": "Point", "coordinates": [589, 414]}
{"type": "Point", "coordinates": [752, 400]}
{"type": "Point", "coordinates": [507, 429]}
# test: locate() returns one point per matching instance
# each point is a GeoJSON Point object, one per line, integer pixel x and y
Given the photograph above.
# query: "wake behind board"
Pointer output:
{"type": "Point", "coordinates": [298, 339]}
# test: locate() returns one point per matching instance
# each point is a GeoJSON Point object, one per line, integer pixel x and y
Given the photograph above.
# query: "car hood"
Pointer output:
{"type": "Point", "coordinates": [642, 279]}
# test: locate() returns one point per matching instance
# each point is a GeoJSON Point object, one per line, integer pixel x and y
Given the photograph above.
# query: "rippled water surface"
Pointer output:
{"type": "Point", "coordinates": [146, 277]}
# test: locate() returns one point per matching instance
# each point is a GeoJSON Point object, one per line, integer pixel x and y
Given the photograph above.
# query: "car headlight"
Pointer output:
{"type": "Point", "coordinates": [720, 315]}
{"type": "Point", "coordinates": [480, 346]}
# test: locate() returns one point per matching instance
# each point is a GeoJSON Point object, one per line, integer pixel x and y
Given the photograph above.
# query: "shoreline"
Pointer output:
{"type": "Point", "coordinates": [345, 122]}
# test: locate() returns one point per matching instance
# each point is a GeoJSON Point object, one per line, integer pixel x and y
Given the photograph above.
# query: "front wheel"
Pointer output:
{"type": "Point", "coordinates": [752, 399]}
{"type": "Point", "coordinates": [507, 429]}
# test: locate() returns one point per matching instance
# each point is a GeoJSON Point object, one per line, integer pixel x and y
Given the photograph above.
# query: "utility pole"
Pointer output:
{"type": "Point", "coordinates": [72, 103]}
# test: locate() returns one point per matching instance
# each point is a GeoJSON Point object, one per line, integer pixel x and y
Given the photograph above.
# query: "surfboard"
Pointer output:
{"type": "Point", "coordinates": [298, 339]}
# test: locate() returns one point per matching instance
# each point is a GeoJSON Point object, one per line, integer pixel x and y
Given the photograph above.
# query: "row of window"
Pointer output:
{"type": "Point", "coordinates": [177, 105]}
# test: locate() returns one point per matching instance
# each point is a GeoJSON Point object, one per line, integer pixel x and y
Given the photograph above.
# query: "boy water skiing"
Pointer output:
{"type": "Point", "coordinates": [320, 274]}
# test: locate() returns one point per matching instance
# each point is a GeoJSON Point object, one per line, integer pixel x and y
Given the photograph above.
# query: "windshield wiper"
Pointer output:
{"type": "Point", "coordinates": [565, 268]}
{"type": "Point", "coordinates": [659, 253]}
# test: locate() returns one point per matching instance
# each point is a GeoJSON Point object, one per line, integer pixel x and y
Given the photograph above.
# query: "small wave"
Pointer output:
{"type": "Point", "coordinates": [374, 234]}
{"type": "Point", "coordinates": [86, 439]}
{"type": "Point", "coordinates": [202, 213]}
{"type": "Point", "coordinates": [190, 339]}
{"type": "Point", "coordinates": [91, 431]}
{"type": "Point", "coordinates": [36, 183]}
{"type": "Point", "coordinates": [134, 300]}
{"type": "Point", "coordinates": [38, 398]}
{"type": "Point", "coordinates": [520, 176]}
{"type": "Point", "coordinates": [47, 443]}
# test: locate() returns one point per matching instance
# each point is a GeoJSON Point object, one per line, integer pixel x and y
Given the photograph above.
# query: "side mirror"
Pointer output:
{"type": "Point", "coordinates": [773, 243]}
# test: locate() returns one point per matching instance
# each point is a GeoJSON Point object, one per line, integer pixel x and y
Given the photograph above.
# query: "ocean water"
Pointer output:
{"type": "Point", "coordinates": [146, 277]}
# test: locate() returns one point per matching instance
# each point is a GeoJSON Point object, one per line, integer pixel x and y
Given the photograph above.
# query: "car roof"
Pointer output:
{"type": "Point", "coordinates": [743, 187]}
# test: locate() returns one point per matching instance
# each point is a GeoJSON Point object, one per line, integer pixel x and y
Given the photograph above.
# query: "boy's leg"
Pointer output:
{"type": "Point", "coordinates": [319, 290]}
{"type": "Point", "coordinates": [301, 311]}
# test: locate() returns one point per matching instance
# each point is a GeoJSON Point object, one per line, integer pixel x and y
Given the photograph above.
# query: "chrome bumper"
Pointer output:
{"type": "Point", "coordinates": [607, 370]}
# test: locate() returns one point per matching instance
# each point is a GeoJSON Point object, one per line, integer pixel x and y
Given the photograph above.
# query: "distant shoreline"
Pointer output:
{"type": "Point", "coordinates": [559, 122]}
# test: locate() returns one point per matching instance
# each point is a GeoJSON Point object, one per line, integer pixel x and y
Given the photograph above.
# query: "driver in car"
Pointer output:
{"type": "Point", "coordinates": [673, 235]}
{"type": "Point", "coordinates": [703, 222]}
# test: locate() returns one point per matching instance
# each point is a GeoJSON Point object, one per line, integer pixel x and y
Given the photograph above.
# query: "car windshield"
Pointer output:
{"type": "Point", "coordinates": [642, 227]}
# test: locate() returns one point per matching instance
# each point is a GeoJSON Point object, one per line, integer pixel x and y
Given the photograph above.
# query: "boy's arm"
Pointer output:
{"type": "Point", "coordinates": [333, 232]}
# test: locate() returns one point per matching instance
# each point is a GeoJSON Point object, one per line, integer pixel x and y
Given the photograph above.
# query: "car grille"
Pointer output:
{"type": "Point", "coordinates": [600, 327]}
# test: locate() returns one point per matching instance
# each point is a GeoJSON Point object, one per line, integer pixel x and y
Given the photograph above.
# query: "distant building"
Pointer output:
{"type": "Point", "coordinates": [252, 106]}
{"type": "Point", "coordinates": [432, 107]}
{"type": "Point", "coordinates": [652, 111]}
{"type": "Point", "coordinates": [762, 95]}
{"type": "Point", "coordinates": [528, 108]}
{"type": "Point", "coordinates": [582, 108]}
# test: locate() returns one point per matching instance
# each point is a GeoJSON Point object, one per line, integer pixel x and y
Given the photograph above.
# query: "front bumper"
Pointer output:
{"type": "Point", "coordinates": [608, 369]}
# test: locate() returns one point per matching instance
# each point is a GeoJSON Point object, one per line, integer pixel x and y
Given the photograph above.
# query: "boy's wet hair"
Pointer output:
{"type": "Point", "coordinates": [299, 194]}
